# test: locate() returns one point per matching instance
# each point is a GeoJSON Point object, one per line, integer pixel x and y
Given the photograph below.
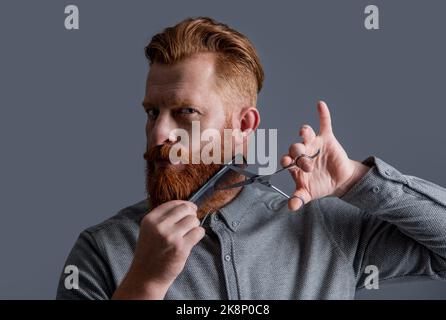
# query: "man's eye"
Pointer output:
{"type": "Point", "coordinates": [187, 111]}
{"type": "Point", "coordinates": [152, 113]}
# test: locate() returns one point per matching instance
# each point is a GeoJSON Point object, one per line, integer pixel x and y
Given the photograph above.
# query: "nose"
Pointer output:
{"type": "Point", "coordinates": [162, 130]}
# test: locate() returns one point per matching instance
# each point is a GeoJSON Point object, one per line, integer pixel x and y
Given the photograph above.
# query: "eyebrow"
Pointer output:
{"type": "Point", "coordinates": [170, 102]}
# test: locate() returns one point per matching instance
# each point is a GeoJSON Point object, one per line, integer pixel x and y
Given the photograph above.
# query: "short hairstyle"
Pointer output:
{"type": "Point", "coordinates": [237, 63]}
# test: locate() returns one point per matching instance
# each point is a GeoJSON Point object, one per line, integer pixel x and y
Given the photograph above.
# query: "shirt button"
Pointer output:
{"type": "Point", "coordinates": [216, 217]}
{"type": "Point", "coordinates": [388, 172]}
{"type": "Point", "coordinates": [376, 189]}
{"type": "Point", "coordinates": [227, 257]}
{"type": "Point", "coordinates": [235, 223]}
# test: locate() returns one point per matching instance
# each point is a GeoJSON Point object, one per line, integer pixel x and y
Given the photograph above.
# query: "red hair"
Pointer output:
{"type": "Point", "coordinates": [237, 64]}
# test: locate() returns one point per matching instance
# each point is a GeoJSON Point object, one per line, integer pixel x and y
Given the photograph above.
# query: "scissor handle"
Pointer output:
{"type": "Point", "coordinates": [307, 156]}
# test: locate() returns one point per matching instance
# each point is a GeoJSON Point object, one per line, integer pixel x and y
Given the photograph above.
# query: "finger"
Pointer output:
{"type": "Point", "coordinates": [324, 118]}
{"type": "Point", "coordinates": [307, 133]}
{"type": "Point", "coordinates": [299, 198]}
{"type": "Point", "coordinates": [296, 150]}
{"type": "Point", "coordinates": [185, 225]}
{"type": "Point", "coordinates": [286, 160]}
{"type": "Point", "coordinates": [159, 211]}
{"type": "Point", "coordinates": [194, 236]}
{"type": "Point", "coordinates": [177, 213]}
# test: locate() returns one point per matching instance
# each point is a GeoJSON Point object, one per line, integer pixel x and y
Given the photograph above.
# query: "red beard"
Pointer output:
{"type": "Point", "coordinates": [173, 183]}
{"type": "Point", "coordinates": [169, 183]}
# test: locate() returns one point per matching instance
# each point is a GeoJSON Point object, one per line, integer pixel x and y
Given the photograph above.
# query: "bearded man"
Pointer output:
{"type": "Point", "coordinates": [344, 217]}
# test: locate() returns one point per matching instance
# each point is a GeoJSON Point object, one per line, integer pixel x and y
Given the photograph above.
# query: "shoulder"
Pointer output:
{"type": "Point", "coordinates": [331, 213]}
{"type": "Point", "coordinates": [124, 223]}
{"type": "Point", "coordinates": [330, 206]}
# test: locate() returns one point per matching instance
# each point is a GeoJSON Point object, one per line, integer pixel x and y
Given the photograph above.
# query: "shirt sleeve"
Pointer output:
{"type": "Point", "coordinates": [93, 278]}
{"type": "Point", "coordinates": [403, 230]}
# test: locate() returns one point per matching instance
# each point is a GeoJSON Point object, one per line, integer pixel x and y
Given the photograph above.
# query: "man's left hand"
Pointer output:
{"type": "Point", "coordinates": [331, 172]}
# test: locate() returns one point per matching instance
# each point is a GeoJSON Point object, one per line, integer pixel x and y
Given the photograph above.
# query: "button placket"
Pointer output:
{"type": "Point", "coordinates": [226, 246]}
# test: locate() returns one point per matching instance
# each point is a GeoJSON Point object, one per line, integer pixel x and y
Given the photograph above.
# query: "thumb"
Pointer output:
{"type": "Point", "coordinates": [299, 198]}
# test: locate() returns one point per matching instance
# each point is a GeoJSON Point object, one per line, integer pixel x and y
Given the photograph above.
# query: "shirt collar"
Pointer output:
{"type": "Point", "coordinates": [237, 209]}
{"type": "Point", "coordinates": [232, 213]}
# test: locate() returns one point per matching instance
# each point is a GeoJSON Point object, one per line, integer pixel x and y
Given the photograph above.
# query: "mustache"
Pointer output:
{"type": "Point", "coordinates": [163, 153]}
{"type": "Point", "coordinates": [160, 152]}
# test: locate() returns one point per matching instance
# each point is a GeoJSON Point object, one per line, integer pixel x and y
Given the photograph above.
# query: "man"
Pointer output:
{"type": "Point", "coordinates": [344, 218]}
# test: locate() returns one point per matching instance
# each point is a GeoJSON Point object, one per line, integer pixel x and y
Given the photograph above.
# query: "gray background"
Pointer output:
{"type": "Point", "coordinates": [72, 128]}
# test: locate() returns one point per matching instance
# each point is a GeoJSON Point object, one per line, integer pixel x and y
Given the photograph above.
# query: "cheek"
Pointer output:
{"type": "Point", "coordinates": [215, 119]}
{"type": "Point", "coordinates": [149, 130]}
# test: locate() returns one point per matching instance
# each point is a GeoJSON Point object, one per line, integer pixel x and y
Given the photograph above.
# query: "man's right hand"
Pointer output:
{"type": "Point", "coordinates": [166, 237]}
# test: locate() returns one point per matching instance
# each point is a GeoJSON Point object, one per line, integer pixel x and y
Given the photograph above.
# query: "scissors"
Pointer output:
{"type": "Point", "coordinates": [262, 179]}
{"type": "Point", "coordinates": [206, 191]}
{"type": "Point", "coordinates": [217, 182]}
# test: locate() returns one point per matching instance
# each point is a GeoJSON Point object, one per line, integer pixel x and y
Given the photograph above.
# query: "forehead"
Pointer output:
{"type": "Point", "coordinates": [193, 78]}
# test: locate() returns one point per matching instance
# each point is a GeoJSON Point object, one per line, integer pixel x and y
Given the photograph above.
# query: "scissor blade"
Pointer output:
{"type": "Point", "coordinates": [235, 185]}
{"type": "Point", "coordinates": [241, 171]}
{"type": "Point", "coordinates": [279, 191]}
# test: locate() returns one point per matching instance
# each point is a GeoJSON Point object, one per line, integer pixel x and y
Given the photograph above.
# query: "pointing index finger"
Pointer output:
{"type": "Point", "coordinates": [324, 118]}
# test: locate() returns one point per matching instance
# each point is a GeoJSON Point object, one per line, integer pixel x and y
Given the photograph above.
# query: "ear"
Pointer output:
{"type": "Point", "coordinates": [249, 121]}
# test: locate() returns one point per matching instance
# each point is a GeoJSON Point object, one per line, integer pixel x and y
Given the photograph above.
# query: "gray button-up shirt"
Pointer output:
{"type": "Point", "coordinates": [256, 248]}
